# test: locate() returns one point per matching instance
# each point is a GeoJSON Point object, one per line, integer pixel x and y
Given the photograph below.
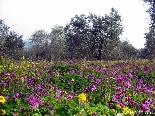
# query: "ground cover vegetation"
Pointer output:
{"type": "Point", "coordinates": [77, 88]}
{"type": "Point", "coordinates": [42, 82]}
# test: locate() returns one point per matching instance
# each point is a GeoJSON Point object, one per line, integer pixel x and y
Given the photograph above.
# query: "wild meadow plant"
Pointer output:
{"type": "Point", "coordinates": [77, 88]}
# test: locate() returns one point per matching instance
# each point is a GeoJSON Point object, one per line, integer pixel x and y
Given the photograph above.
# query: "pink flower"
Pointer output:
{"type": "Point", "coordinates": [69, 97]}
{"type": "Point", "coordinates": [34, 101]}
{"type": "Point", "coordinates": [146, 106]}
{"type": "Point", "coordinates": [121, 103]}
{"type": "Point", "coordinates": [16, 95]}
{"type": "Point", "coordinates": [57, 96]}
{"type": "Point", "coordinates": [128, 84]}
{"type": "Point", "coordinates": [93, 88]}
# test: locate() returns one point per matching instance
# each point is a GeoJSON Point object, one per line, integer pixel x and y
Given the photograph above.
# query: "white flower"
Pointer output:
{"type": "Point", "coordinates": [119, 114]}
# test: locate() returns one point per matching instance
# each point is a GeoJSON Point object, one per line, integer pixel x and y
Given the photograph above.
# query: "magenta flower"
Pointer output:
{"type": "Point", "coordinates": [98, 81]}
{"type": "Point", "coordinates": [16, 96]}
{"type": "Point", "coordinates": [53, 110]}
{"type": "Point", "coordinates": [117, 96]}
{"type": "Point", "coordinates": [128, 84]}
{"type": "Point", "coordinates": [58, 91]}
{"type": "Point", "coordinates": [118, 88]}
{"type": "Point", "coordinates": [91, 76]}
{"type": "Point", "coordinates": [93, 88]}
{"type": "Point", "coordinates": [34, 101]}
{"type": "Point", "coordinates": [129, 101]}
{"type": "Point", "coordinates": [34, 104]}
{"type": "Point", "coordinates": [69, 97]}
{"type": "Point", "coordinates": [57, 97]}
{"type": "Point", "coordinates": [121, 103]}
{"type": "Point", "coordinates": [23, 110]}
{"type": "Point", "coordinates": [119, 80]}
{"type": "Point", "coordinates": [15, 115]}
{"type": "Point", "coordinates": [146, 106]}
{"type": "Point", "coordinates": [94, 114]}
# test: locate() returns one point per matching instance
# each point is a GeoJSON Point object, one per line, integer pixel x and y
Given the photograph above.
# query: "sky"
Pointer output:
{"type": "Point", "coordinates": [27, 16]}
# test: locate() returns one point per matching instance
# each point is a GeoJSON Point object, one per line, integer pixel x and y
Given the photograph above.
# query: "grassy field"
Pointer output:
{"type": "Point", "coordinates": [77, 88]}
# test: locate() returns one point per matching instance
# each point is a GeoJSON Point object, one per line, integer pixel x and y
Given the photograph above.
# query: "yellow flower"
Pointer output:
{"type": "Point", "coordinates": [118, 106]}
{"type": "Point", "coordinates": [22, 58]}
{"type": "Point", "coordinates": [51, 87]}
{"type": "Point", "coordinates": [128, 111]}
{"type": "Point", "coordinates": [5, 90]}
{"type": "Point", "coordinates": [2, 99]}
{"type": "Point", "coordinates": [90, 113]}
{"type": "Point", "coordinates": [2, 58]}
{"type": "Point", "coordinates": [130, 95]}
{"type": "Point", "coordinates": [82, 97]}
{"type": "Point", "coordinates": [47, 92]}
{"type": "Point", "coordinates": [112, 110]}
{"type": "Point", "coordinates": [57, 74]}
{"type": "Point", "coordinates": [66, 93]}
{"type": "Point", "coordinates": [2, 112]}
{"type": "Point", "coordinates": [1, 66]}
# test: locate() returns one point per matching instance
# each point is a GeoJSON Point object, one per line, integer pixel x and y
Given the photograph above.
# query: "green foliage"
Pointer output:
{"type": "Point", "coordinates": [69, 78]}
{"type": "Point", "coordinates": [150, 36]}
{"type": "Point", "coordinates": [47, 46]}
{"type": "Point", "coordinates": [11, 43]}
{"type": "Point", "coordinates": [86, 34]}
{"type": "Point", "coordinates": [58, 86]}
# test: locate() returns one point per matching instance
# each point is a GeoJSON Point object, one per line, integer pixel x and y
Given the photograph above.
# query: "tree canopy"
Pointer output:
{"type": "Point", "coordinates": [11, 43]}
{"type": "Point", "coordinates": [85, 35]}
{"type": "Point", "coordinates": [150, 36]}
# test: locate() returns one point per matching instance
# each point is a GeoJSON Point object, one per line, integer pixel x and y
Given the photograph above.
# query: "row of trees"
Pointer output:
{"type": "Point", "coordinates": [84, 38]}
{"type": "Point", "coordinates": [11, 43]}
{"type": "Point", "coordinates": [149, 50]}
{"type": "Point", "coordinates": [47, 46]}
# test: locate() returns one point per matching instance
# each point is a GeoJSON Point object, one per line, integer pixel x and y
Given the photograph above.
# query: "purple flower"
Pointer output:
{"type": "Point", "coordinates": [53, 111]}
{"type": "Point", "coordinates": [34, 104]}
{"type": "Point", "coordinates": [57, 96]}
{"type": "Point", "coordinates": [129, 101]}
{"type": "Point", "coordinates": [15, 115]}
{"type": "Point", "coordinates": [23, 110]}
{"type": "Point", "coordinates": [34, 101]}
{"type": "Point", "coordinates": [93, 88]}
{"type": "Point", "coordinates": [80, 71]}
{"type": "Point", "coordinates": [128, 84]}
{"type": "Point", "coordinates": [91, 76]}
{"type": "Point", "coordinates": [98, 81]}
{"type": "Point", "coordinates": [58, 91]}
{"type": "Point", "coordinates": [16, 96]}
{"type": "Point", "coordinates": [146, 105]}
{"type": "Point", "coordinates": [138, 88]}
{"type": "Point", "coordinates": [148, 91]}
{"type": "Point", "coordinates": [69, 97]}
{"type": "Point", "coordinates": [94, 114]}
{"type": "Point", "coordinates": [110, 103]}
{"type": "Point", "coordinates": [117, 96]}
{"type": "Point", "coordinates": [121, 103]}
{"type": "Point", "coordinates": [119, 80]}
{"type": "Point", "coordinates": [118, 88]}
{"type": "Point", "coordinates": [140, 82]}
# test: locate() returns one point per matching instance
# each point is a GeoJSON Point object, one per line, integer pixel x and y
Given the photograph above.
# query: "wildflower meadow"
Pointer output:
{"type": "Point", "coordinates": [77, 88]}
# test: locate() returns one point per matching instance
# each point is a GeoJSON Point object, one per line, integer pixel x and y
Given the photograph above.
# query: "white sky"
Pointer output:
{"type": "Point", "coordinates": [27, 16]}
